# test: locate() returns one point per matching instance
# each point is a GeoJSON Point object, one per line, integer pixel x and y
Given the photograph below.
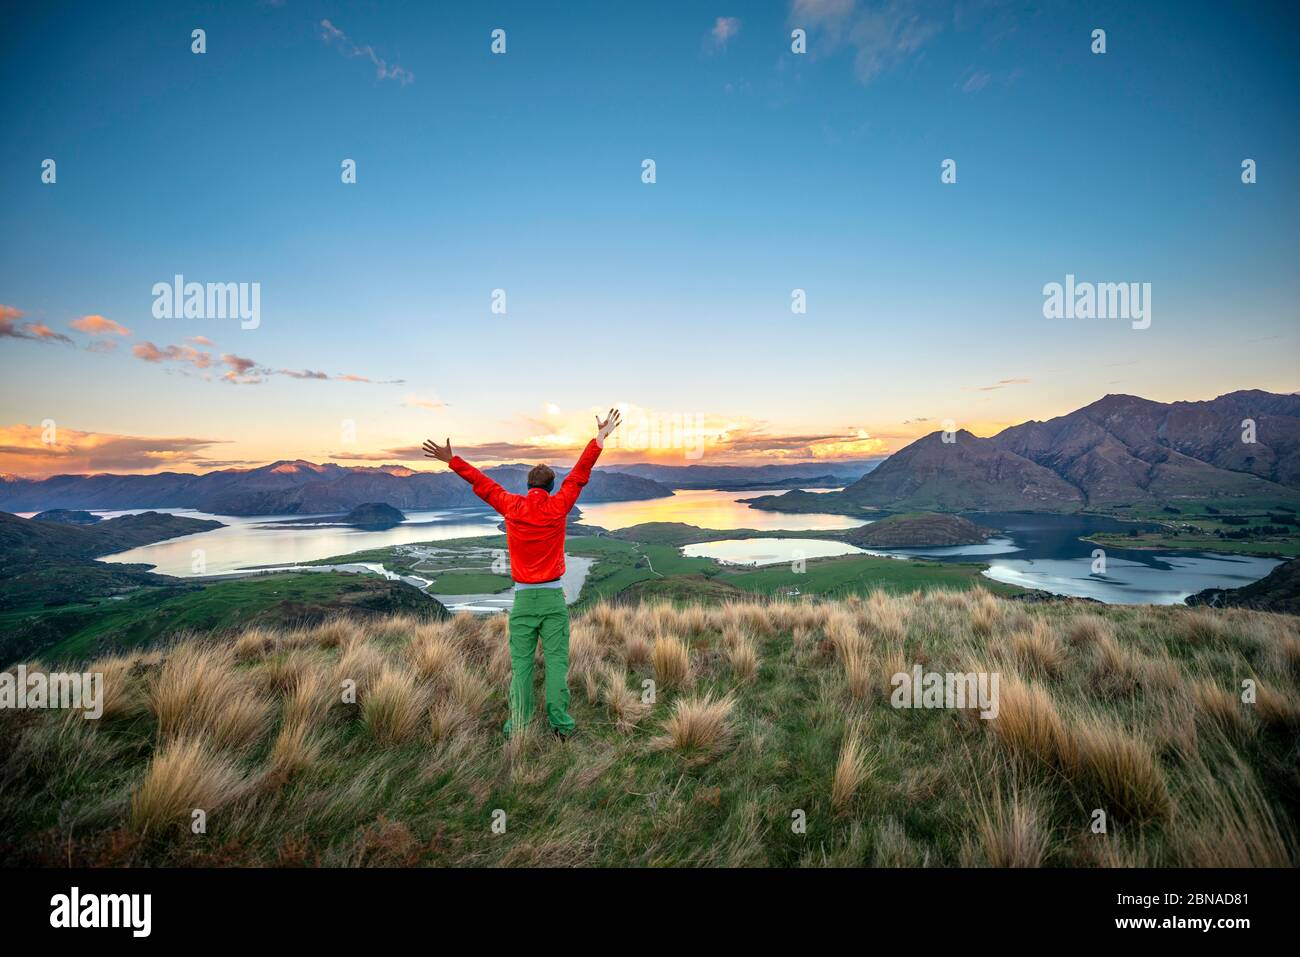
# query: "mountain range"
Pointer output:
{"type": "Point", "coordinates": [1120, 450]}
{"type": "Point", "coordinates": [837, 473]}
{"type": "Point", "coordinates": [291, 488]}
{"type": "Point", "coordinates": [298, 487]}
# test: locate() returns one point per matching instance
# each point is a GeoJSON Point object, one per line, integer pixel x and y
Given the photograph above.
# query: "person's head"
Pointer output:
{"type": "Point", "coordinates": [541, 476]}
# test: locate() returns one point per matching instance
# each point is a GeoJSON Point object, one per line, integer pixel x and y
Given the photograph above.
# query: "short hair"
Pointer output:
{"type": "Point", "coordinates": [541, 476]}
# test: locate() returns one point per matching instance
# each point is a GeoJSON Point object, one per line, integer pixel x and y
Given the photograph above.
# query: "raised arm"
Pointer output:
{"type": "Point", "coordinates": [486, 489]}
{"type": "Point", "coordinates": [579, 475]}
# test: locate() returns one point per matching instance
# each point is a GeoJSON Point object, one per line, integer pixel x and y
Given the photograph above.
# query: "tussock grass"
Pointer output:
{"type": "Point", "coordinates": [671, 661]}
{"type": "Point", "coordinates": [1087, 630]}
{"type": "Point", "coordinates": [1038, 650]}
{"type": "Point", "coordinates": [853, 767]}
{"type": "Point", "coordinates": [743, 657]}
{"type": "Point", "coordinates": [185, 775]}
{"type": "Point", "coordinates": [1010, 830]}
{"type": "Point", "coordinates": [124, 693]}
{"type": "Point", "coordinates": [699, 724]}
{"type": "Point", "coordinates": [199, 692]}
{"type": "Point", "coordinates": [625, 706]}
{"type": "Point", "coordinates": [393, 708]}
{"type": "Point", "coordinates": [433, 654]}
{"type": "Point", "coordinates": [763, 706]}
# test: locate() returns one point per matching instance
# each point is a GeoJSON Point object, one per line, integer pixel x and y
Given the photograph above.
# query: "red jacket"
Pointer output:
{"type": "Point", "coordinates": [534, 522]}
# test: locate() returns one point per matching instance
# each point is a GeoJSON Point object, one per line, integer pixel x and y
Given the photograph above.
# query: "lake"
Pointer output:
{"type": "Point", "coordinates": [707, 508]}
{"type": "Point", "coordinates": [1031, 550]}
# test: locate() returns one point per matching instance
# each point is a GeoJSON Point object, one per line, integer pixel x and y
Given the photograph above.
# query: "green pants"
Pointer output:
{"type": "Point", "coordinates": [539, 613]}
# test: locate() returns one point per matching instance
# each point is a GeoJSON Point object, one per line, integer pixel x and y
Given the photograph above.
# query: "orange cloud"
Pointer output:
{"type": "Point", "coordinates": [35, 452]}
{"type": "Point", "coordinates": [11, 328]}
{"type": "Point", "coordinates": [99, 326]}
{"type": "Point", "coordinates": [151, 353]}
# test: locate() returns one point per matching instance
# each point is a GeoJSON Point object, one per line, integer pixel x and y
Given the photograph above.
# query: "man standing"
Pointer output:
{"type": "Point", "coordinates": [535, 537]}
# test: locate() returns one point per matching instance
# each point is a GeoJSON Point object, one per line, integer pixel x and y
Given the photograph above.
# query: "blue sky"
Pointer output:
{"type": "Point", "coordinates": [522, 172]}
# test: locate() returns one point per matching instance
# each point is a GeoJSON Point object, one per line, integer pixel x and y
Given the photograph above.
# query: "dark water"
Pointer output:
{"type": "Point", "coordinates": [1047, 552]}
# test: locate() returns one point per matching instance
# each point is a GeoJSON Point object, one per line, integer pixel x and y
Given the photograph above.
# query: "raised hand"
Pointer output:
{"type": "Point", "coordinates": [443, 453]}
{"type": "Point", "coordinates": [609, 425]}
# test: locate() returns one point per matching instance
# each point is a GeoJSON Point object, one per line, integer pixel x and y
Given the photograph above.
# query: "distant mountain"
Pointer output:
{"type": "Point", "coordinates": [751, 476]}
{"type": "Point", "coordinates": [1119, 450]}
{"type": "Point", "coordinates": [292, 488]}
{"type": "Point", "coordinates": [969, 472]}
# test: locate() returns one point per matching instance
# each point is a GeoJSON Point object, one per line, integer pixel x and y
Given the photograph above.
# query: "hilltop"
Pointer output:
{"type": "Point", "coordinates": [764, 714]}
{"type": "Point", "coordinates": [918, 530]}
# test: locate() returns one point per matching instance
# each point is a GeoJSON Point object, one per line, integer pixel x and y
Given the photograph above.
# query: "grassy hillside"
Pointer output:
{"type": "Point", "coordinates": [46, 564]}
{"type": "Point", "coordinates": [766, 714]}
{"type": "Point", "coordinates": [150, 614]}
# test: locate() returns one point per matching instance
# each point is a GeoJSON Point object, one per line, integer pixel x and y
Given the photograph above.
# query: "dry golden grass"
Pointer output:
{"type": "Point", "coordinates": [394, 707]}
{"type": "Point", "coordinates": [295, 749]}
{"type": "Point", "coordinates": [1276, 711]}
{"type": "Point", "coordinates": [184, 775]}
{"type": "Point", "coordinates": [1113, 709]}
{"type": "Point", "coordinates": [462, 705]}
{"type": "Point", "coordinates": [1038, 650]}
{"type": "Point", "coordinates": [199, 692]}
{"type": "Point", "coordinates": [887, 615]}
{"type": "Point", "coordinates": [671, 661]}
{"type": "Point", "coordinates": [255, 643]}
{"type": "Point", "coordinates": [743, 657]}
{"type": "Point", "coordinates": [281, 673]}
{"type": "Point", "coordinates": [853, 767]}
{"type": "Point", "coordinates": [307, 704]}
{"type": "Point", "coordinates": [985, 613]}
{"type": "Point", "coordinates": [1122, 766]}
{"type": "Point", "coordinates": [857, 672]}
{"type": "Point", "coordinates": [624, 704]}
{"type": "Point", "coordinates": [1224, 821]}
{"type": "Point", "coordinates": [123, 692]}
{"type": "Point", "coordinates": [394, 628]}
{"type": "Point", "coordinates": [1087, 630]}
{"type": "Point", "coordinates": [699, 724]}
{"type": "Point", "coordinates": [1203, 627]}
{"type": "Point", "coordinates": [585, 652]}
{"type": "Point", "coordinates": [360, 663]}
{"type": "Point", "coordinates": [334, 633]}
{"type": "Point", "coordinates": [1219, 706]}
{"type": "Point", "coordinates": [1010, 830]}
{"type": "Point", "coordinates": [637, 648]}
{"type": "Point", "coordinates": [1118, 670]}
{"type": "Point", "coordinates": [1030, 726]}
{"type": "Point", "coordinates": [432, 654]}
{"type": "Point", "coordinates": [844, 635]}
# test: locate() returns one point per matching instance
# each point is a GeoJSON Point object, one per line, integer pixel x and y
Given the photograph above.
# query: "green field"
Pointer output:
{"type": "Point", "coordinates": [469, 583]}
{"type": "Point", "coordinates": [1194, 528]}
{"type": "Point", "coordinates": [862, 574]}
